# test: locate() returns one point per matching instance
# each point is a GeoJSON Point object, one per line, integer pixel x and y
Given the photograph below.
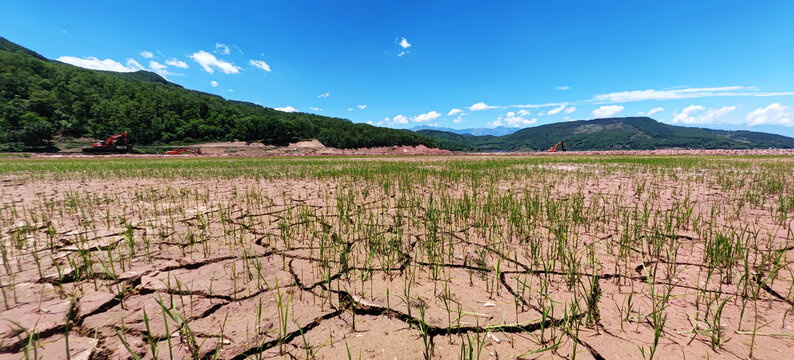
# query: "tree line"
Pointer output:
{"type": "Point", "coordinates": [40, 99]}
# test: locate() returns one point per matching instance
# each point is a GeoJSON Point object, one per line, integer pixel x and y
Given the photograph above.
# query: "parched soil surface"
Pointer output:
{"type": "Point", "coordinates": [315, 148]}
{"type": "Point", "coordinates": [443, 258]}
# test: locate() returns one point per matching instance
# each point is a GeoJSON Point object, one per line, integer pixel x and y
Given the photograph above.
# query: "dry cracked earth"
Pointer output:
{"type": "Point", "coordinates": [560, 261]}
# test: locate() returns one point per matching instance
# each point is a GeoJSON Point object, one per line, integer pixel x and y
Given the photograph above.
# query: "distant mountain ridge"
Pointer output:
{"type": "Point", "coordinates": [635, 133]}
{"type": "Point", "coordinates": [495, 131]}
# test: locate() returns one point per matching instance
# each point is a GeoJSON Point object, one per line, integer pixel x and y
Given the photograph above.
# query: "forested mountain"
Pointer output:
{"type": "Point", "coordinates": [40, 98]}
{"type": "Point", "coordinates": [495, 131]}
{"type": "Point", "coordinates": [636, 133]}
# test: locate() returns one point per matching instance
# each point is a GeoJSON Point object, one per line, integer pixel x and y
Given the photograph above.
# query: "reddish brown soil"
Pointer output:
{"type": "Point", "coordinates": [198, 267]}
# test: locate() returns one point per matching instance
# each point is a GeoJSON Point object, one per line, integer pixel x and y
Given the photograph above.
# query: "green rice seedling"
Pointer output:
{"type": "Point", "coordinates": [283, 315]}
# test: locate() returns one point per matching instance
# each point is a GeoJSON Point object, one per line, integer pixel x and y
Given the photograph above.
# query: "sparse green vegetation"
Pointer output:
{"type": "Point", "coordinates": [428, 257]}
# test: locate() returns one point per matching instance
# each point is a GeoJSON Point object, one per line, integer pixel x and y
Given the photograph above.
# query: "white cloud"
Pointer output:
{"type": "Point", "coordinates": [458, 120]}
{"type": "Point", "coordinates": [481, 106]}
{"type": "Point", "coordinates": [362, 107]}
{"type": "Point", "coordinates": [350, 109]}
{"type": "Point", "coordinates": [563, 88]}
{"type": "Point", "coordinates": [454, 112]}
{"type": "Point", "coordinates": [692, 114]}
{"type": "Point", "coordinates": [288, 109]}
{"type": "Point", "coordinates": [156, 66]}
{"type": "Point", "coordinates": [651, 111]}
{"type": "Point", "coordinates": [313, 108]}
{"type": "Point", "coordinates": [554, 111]}
{"type": "Point", "coordinates": [404, 43]}
{"type": "Point", "coordinates": [232, 90]}
{"type": "Point", "coordinates": [607, 111]}
{"type": "Point", "coordinates": [774, 114]}
{"type": "Point", "coordinates": [222, 49]}
{"type": "Point", "coordinates": [147, 54]}
{"type": "Point", "coordinates": [401, 54]}
{"type": "Point", "coordinates": [399, 119]}
{"type": "Point", "coordinates": [159, 68]}
{"type": "Point", "coordinates": [524, 112]}
{"type": "Point", "coordinates": [209, 62]}
{"type": "Point", "coordinates": [214, 83]}
{"type": "Point", "coordinates": [570, 110]}
{"type": "Point", "coordinates": [176, 63]}
{"type": "Point", "coordinates": [134, 64]}
{"type": "Point", "coordinates": [432, 115]}
{"type": "Point", "coordinates": [531, 106]}
{"type": "Point", "coordinates": [689, 93]}
{"type": "Point", "coordinates": [324, 95]}
{"type": "Point", "coordinates": [512, 120]}
{"type": "Point", "coordinates": [260, 64]}
{"type": "Point", "coordinates": [96, 64]}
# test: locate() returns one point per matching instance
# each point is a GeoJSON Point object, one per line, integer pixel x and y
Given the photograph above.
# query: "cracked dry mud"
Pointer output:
{"type": "Point", "coordinates": [443, 258]}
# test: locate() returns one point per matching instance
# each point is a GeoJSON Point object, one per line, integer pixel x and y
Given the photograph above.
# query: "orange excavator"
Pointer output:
{"type": "Point", "coordinates": [183, 150]}
{"type": "Point", "coordinates": [116, 143]}
{"type": "Point", "coordinates": [557, 147]}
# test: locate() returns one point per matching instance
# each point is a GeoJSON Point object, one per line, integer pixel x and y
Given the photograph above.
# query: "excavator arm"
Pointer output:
{"type": "Point", "coordinates": [114, 143]}
{"type": "Point", "coordinates": [557, 147]}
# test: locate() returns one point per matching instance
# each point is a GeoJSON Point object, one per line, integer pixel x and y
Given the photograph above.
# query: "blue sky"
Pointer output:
{"type": "Point", "coordinates": [719, 64]}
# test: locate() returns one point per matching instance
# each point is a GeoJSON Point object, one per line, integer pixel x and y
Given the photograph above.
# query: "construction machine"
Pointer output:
{"type": "Point", "coordinates": [118, 143]}
{"type": "Point", "coordinates": [183, 150]}
{"type": "Point", "coordinates": [557, 147]}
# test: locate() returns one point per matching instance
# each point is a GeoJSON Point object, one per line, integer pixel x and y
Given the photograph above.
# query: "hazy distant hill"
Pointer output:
{"type": "Point", "coordinates": [639, 133]}
{"type": "Point", "coordinates": [497, 131]}
{"type": "Point", "coordinates": [40, 98]}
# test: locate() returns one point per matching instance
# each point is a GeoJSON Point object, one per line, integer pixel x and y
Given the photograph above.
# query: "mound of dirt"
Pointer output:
{"type": "Point", "coordinates": [310, 144]}
{"type": "Point", "coordinates": [397, 150]}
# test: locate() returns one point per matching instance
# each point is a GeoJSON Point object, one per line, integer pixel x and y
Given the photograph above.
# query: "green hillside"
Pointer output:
{"type": "Point", "coordinates": [636, 133]}
{"type": "Point", "coordinates": [40, 98]}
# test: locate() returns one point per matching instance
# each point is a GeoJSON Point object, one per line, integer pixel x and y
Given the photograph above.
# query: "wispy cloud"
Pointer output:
{"type": "Point", "coordinates": [176, 63]}
{"type": "Point", "coordinates": [314, 108]}
{"type": "Point", "coordinates": [209, 62]}
{"type": "Point", "coordinates": [214, 83]}
{"type": "Point", "coordinates": [534, 106]}
{"type": "Point", "coordinates": [260, 64]}
{"type": "Point", "coordinates": [562, 88]}
{"type": "Point", "coordinates": [324, 95]}
{"type": "Point", "coordinates": [159, 68]}
{"type": "Point", "coordinates": [688, 93]}
{"type": "Point", "coordinates": [698, 114]}
{"type": "Point", "coordinates": [362, 107]}
{"type": "Point", "coordinates": [134, 64]}
{"type": "Point", "coordinates": [553, 111]}
{"type": "Point", "coordinates": [512, 119]}
{"type": "Point", "coordinates": [147, 54]}
{"type": "Point", "coordinates": [222, 49]}
{"type": "Point", "coordinates": [652, 111]}
{"type": "Point", "coordinates": [454, 112]}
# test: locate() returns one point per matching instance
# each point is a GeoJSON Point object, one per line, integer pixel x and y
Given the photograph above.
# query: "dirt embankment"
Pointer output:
{"type": "Point", "coordinates": [315, 147]}
{"type": "Point", "coordinates": [241, 148]}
